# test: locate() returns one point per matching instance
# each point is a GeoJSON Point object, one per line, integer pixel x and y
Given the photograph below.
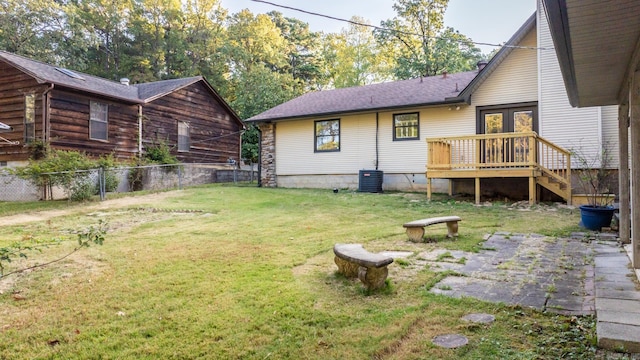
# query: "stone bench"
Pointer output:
{"type": "Point", "coordinates": [415, 229]}
{"type": "Point", "coordinates": [353, 260]}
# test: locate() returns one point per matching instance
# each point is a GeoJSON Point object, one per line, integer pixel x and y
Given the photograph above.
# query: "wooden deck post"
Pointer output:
{"type": "Point", "coordinates": [532, 190]}
{"type": "Point", "coordinates": [532, 160]}
{"type": "Point", "coordinates": [623, 175]}
{"type": "Point", "coordinates": [477, 191]}
{"type": "Point", "coordinates": [429, 188]}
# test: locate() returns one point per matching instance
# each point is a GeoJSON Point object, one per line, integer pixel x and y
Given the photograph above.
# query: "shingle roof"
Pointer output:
{"type": "Point", "coordinates": [139, 93]}
{"type": "Point", "coordinates": [397, 94]}
{"type": "Point", "coordinates": [153, 90]}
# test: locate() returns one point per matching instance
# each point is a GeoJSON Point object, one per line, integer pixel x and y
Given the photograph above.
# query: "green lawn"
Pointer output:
{"type": "Point", "coordinates": [226, 272]}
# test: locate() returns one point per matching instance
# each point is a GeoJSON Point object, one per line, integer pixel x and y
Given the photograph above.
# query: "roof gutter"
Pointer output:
{"type": "Point", "coordinates": [139, 131]}
{"type": "Point", "coordinates": [447, 101]}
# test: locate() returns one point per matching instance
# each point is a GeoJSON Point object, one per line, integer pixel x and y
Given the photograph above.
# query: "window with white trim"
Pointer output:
{"type": "Point", "coordinates": [98, 121]}
{"type": "Point", "coordinates": [184, 140]}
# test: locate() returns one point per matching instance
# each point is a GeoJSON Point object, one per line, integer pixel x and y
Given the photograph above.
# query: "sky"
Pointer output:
{"type": "Point", "coordinates": [486, 21]}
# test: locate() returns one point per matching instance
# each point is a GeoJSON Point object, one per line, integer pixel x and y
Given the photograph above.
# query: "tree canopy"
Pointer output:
{"type": "Point", "coordinates": [255, 61]}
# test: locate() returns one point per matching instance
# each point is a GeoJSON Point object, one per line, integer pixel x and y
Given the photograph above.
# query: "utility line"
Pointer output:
{"type": "Point", "coordinates": [392, 30]}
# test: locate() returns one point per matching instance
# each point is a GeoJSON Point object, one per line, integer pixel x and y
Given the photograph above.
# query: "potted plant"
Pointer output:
{"type": "Point", "coordinates": [595, 178]}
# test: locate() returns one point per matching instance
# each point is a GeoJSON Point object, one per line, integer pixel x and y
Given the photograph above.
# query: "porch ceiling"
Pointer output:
{"type": "Point", "coordinates": [595, 41]}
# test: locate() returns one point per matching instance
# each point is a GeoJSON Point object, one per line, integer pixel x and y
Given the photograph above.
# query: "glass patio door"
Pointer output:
{"type": "Point", "coordinates": [498, 151]}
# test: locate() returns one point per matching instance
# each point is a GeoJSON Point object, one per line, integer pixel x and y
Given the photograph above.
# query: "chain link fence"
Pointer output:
{"type": "Point", "coordinates": [84, 184]}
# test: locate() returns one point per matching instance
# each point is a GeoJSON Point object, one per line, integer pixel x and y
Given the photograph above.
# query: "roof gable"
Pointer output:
{"type": "Point", "coordinates": [150, 91]}
{"type": "Point", "coordinates": [528, 26]}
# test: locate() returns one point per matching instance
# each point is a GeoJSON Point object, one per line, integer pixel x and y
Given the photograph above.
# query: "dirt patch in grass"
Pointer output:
{"type": "Point", "coordinates": [108, 204]}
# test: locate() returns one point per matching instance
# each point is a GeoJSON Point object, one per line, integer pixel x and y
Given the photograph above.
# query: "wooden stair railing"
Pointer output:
{"type": "Point", "coordinates": [504, 152]}
{"type": "Point", "coordinates": [554, 164]}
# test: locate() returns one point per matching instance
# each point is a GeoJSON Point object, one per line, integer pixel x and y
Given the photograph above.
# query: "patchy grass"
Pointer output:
{"type": "Point", "coordinates": [223, 272]}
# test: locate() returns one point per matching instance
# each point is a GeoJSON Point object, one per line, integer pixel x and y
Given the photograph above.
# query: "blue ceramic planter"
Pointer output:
{"type": "Point", "coordinates": [596, 217]}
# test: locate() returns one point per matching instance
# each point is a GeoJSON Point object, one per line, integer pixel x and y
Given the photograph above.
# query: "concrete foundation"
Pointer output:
{"type": "Point", "coordinates": [391, 182]}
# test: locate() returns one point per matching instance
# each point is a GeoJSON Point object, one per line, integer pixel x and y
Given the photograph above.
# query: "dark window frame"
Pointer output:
{"type": "Point", "coordinates": [417, 127]}
{"type": "Point", "coordinates": [506, 109]}
{"type": "Point", "coordinates": [316, 136]}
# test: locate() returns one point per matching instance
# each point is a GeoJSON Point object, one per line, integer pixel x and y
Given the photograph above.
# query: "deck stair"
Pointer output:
{"type": "Point", "coordinates": [523, 155]}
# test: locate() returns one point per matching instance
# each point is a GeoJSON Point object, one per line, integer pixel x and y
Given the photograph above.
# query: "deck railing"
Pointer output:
{"type": "Point", "coordinates": [501, 151]}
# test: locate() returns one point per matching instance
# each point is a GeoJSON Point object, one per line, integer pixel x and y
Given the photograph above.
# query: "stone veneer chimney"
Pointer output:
{"type": "Point", "coordinates": [268, 155]}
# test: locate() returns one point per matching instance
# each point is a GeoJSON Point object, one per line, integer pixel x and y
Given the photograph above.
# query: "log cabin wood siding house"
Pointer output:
{"type": "Point", "coordinates": [504, 129]}
{"type": "Point", "coordinates": [76, 111]}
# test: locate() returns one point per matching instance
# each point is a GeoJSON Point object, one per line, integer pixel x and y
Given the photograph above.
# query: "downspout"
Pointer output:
{"type": "Point", "coordinates": [239, 163]}
{"type": "Point", "coordinates": [377, 135]}
{"type": "Point", "coordinates": [139, 131]}
{"type": "Point", "coordinates": [46, 114]}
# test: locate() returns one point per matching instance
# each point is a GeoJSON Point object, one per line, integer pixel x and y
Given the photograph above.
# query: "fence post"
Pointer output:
{"type": "Point", "coordinates": [101, 183]}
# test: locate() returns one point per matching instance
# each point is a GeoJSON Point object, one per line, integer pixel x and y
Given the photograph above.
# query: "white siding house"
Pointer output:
{"type": "Point", "coordinates": [523, 77]}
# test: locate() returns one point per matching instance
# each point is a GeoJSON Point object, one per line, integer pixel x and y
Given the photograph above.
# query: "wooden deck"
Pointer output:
{"type": "Point", "coordinates": [519, 155]}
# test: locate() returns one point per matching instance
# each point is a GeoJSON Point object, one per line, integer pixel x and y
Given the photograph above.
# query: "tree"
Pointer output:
{"type": "Point", "coordinates": [421, 44]}
{"type": "Point", "coordinates": [304, 51]}
{"type": "Point", "coordinates": [103, 24]}
{"type": "Point", "coordinates": [260, 76]}
{"type": "Point", "coordinates": [205, 37]}
{"type": "Point", "coordinates": [151, 21]}
{"type": "Point", "coordinates": [353, 57]}
{"type": "Point", "coordinates": [34, 28]}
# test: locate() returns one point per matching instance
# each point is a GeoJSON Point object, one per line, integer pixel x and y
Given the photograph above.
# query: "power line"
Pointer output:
{"type": "Point", "coordinates": [391, 30]}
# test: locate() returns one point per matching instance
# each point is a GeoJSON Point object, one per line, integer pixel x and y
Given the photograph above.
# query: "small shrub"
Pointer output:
{"type": "Point", "coordinates": [160, 153]}
{"type": "Point", "coordinates": [110, 176]}
{"type": "Point", "coordinates": [82, 189]}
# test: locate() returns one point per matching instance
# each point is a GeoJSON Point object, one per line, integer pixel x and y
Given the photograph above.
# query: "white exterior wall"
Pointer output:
{"type": "Point", "coordinates": [568, 127]}
{"type": "Point", "coordinates": [514, 81]}
{"type": "Point", "coordinates": [610, 133]}
{"type": "Point", "coordinates": [526, 75]}
{"type": "Point", "coordinates": [295, 147]}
